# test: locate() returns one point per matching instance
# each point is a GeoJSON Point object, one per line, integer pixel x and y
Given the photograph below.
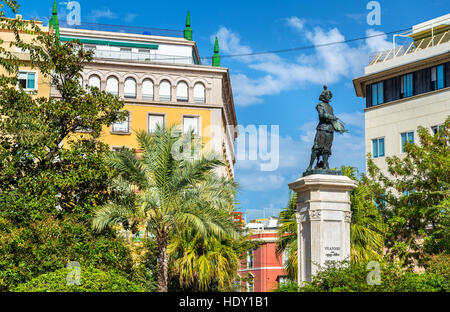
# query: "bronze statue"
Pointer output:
{"type": "Point", "coordinates": [328, 123]}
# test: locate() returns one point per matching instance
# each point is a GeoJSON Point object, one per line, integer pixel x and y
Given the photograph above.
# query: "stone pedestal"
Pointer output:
{"type": "Point", "coordinates": [323, 221]}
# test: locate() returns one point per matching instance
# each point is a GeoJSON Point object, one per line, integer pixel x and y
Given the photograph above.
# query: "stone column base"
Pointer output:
{"type": "Point", "coordinates": [323, 221]}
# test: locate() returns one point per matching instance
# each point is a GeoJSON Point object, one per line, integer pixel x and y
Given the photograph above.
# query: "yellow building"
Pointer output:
{"type": "Point", "coordinates": [159, 75]}
{"type": "Point", "coordinates": [31, 79]}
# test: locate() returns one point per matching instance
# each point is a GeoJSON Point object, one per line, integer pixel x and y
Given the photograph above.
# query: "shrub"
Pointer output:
{"type": "Point", "coordinates": [345, 277]}
{"type": "Point", "coordinates": [289, 286]}
{"type": "Point", "coordinates": [92, 280]}
{"type": "Point", "coordinates": [50, 244]}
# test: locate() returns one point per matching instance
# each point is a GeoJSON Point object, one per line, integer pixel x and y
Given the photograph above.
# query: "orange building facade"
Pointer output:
{"type": "Point", "coordinates": [262, 270]}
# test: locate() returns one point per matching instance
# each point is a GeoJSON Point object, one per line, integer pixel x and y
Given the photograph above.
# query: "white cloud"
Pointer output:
{"type": "Point", "coordinates": [327, 64]}
{"type": "Point", "coordinates": [296, 23]}
{"type": "Point", "coordinates": [260, 182]}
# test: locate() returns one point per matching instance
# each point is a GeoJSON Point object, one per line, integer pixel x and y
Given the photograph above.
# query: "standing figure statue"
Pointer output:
{"type": "Point", "coordinates": [328, 123]}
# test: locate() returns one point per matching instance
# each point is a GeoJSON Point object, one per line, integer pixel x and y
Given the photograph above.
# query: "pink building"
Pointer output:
{"type": "Point", "coordinates": [262, 270]}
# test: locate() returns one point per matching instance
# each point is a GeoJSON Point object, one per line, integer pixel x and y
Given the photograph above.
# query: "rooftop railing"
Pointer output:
{"type": "Point", "coordinates": [413, 47]}
{"type": "Point", "coordinates": [434, 39]}
{"type": "Point", "coordinates": [125, 29]}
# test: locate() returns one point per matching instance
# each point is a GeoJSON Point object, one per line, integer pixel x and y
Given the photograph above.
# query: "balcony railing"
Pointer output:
{"type": "Point", "coordinates": [143, 57]}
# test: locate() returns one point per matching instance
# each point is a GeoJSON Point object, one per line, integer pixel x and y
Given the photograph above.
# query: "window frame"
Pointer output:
{"type": "Point", "coordinates": [26, 71]}
{"type": "Point", "coordinates": [439, 82]}
{"type": "Point", "coordinates": [402, 145]}
{"type": "Point", "coordinates": [144, 97]}
{"type": "Point", "coordinates": [106, 87]}
{"type": "Point", "coordinates": [169, 99]}
{"type": "Point", "coordinates": [155, 114]}
{"type": "Point", "coordinates": [199, 124]}
{"type": "Point", "coordinates": [129, 95]}
{"type": "Point", "coordinates": [128, 125]}
{"type": "Point", "coordinates": [100, 81]}
{"type": "Point", "coordinates": [196, 99]}
{"type": "Point", "coordinates": [406, 85]}
{"type": "Point", "coordinates": [378, 155]}
{"type": "Point", "coordinates": [377, 93]}
{"type": "Point", "coordinates": [183, 99]}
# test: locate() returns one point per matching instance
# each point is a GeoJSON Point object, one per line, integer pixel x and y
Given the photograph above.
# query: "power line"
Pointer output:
{"type": "Point", "coordinates": [308, 47]}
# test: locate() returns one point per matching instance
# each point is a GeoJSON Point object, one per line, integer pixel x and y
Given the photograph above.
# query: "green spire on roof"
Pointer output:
{"type": "Point", "coordinates": [188, 30]}
{"type": "Point", "coordinates": [54, 23]}
{"type": "Point", "coordinates": [216, 56]}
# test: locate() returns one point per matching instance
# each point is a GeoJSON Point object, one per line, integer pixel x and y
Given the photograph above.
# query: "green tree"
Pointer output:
{"type": "Point", "coordinates": [366, 227]}
{"type": "Point", "coordinates": [44, 168]}
{"type": "Point", "coordinates": [414, 197]}
{"type": "Point", "coordinates": [167, 192]}
{"type": "Point", "coordinates": [50, 179]}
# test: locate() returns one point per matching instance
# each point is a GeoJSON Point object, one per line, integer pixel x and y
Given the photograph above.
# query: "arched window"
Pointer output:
{"type": "Point", "coordinates": [80, 81]}
{"type": "Point", "coordinates": [164, 91]}
{"type": "Point", "coordinates": [112, 85]}
{"type": "Point", "coordinates": [147, 89]}
{"type": "Point", "coordinates": [94, 81]}
{"type": "Point", "coordinates": [182, 92]}
{"type": "Point", "coordinates": [199, 93]}
{"type": "Point", "coordinates": [129, 90]}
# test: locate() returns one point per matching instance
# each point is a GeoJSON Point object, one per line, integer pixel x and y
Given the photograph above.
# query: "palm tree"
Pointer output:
{"type": "Point", "coordinates": [167, 192]}
{"type": "Point", "coordinates": [287, 237]}
{"type": "Point", "coordinates": [203, 263]}
{"type": "Point", "coordinates": [366, 227]}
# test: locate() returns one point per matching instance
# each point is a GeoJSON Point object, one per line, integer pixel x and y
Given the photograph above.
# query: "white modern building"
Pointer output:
{"type": "Point", "coordinates": [406, 86]}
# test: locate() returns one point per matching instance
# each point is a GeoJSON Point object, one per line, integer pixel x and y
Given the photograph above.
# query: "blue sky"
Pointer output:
{"type": "Point", "coordinates": [277, 89]}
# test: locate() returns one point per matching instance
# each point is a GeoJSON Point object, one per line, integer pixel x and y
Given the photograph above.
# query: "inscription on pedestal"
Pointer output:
{"type": "Point", "coordinates": [332, 252]}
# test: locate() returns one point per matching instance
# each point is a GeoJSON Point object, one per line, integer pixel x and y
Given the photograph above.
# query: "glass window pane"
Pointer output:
{"type": "Point", "coordinates": [374, 94]}
{"type": "Point", "coordinates": [381, 147]}
{"type": "Point", "coordinates": [94, 81]}
{"type": "Point", "coordinates": [153, 120]}
{"type": "Point", "coordinates": [182, 91]}
{"type": "Point", "coordinates": [375, 148]}
{"type": "Point", "coordinates": [112, 85]}
{"type": "Point", "coordinates": [411, 137]}
{"type": "Point", "coordinates": [147, 89]}
{"type": "Point", "coordinates": [380, 93]}
{"type": "Point", "coordinates": [122, 126]}
{"type": "Point", "coordinates": [129, 88]}
{"type": "Point", "coordinates": [199, 93]}
{"type": "Point", "coordinates": [440, 76]}
{"type": "Point", "coordinates": [190, 123]}
{"type": "Point", "coordinates": [403, 136]}
{"type": "Point", "coordinates": [164, 91]}
{"type": "Point", "coordinates": [31, 81]}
